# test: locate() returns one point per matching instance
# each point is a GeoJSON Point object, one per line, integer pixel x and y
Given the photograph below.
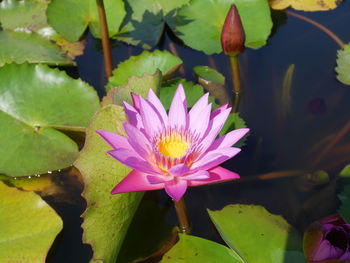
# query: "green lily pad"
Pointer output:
{"type": "Point", "coordinates": [145, 21]}
{"type": "Point", "coordinates": [29, 226]}
{"type": "Point", "coordinates": [70, 18]}
{"type": "Point", "coordinates": [265, 234]}
{"type": "Point", "coordinates": [343, 65]}
{"type": "Point", "coordinates": [199, 24]}
{"type": "Point", "coordinates": [193, 92]}
{"type": "Point", "coordinates": [37, 102]}
{"type": "Point", "coordinates": [146, 62]}
{"type": "Point", "coordinates": [148, 233]}
{"type": "Point", "coordinates": [107, 216]}
{"type": "Point", "coordinates": [209, 74]}
{"type": "Point", "coordinates": [137, 85]}
{"type": "Point", "coordinates": [26, 15]}
{"type": "Point", "coordinates": [196, 249]}
{"type": "Point", "coordinates": [20, 47]}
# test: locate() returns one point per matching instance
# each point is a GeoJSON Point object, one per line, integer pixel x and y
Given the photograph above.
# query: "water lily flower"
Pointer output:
{"type": "Point", "coordinates": [328, 240]}
{"type": "Point", "coordinates": [175, 150]}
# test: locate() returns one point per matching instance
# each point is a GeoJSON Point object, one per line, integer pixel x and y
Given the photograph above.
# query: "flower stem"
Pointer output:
{"type": "Point", "coordinates": [107, 55]}
{"type": "Point", "coordinates": [236, 81]}
{"type": "Point", "coordinates": [319, 26]}
{"type": "Point", "coordinates": [180, 208]}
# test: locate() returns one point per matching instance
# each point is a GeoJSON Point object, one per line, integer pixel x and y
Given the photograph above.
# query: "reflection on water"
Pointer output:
{"type": "Point", "coordinates": [298, 130]}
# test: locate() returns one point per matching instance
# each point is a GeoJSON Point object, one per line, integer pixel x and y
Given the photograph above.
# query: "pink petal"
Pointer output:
{"type": "Point", "coordinates": [214, 128]}
{"type": "Point", "coordinates": [199, 115]}
{"type": "Point", "coordinates": [218, 111]}
{"type": "Point", "coordinates": [229, 139]}
{"type": "Point", "coordinates": [136, 101]}
{"type": "Point", "coordinates": [200, 175]}
{"type": "Point", "coordinates": [151, 118]}
{"type": "Point", "coordinates": [135, 181]}
{"type": "Point", "coordinates": [178, 109]}
{"type": "Point", "coordinates": [133, 116]}
{"type": "Point", "coordinates": [133, 160]}
{"type": "Point", "coordinates": [214, 158]}
{"type": "Point", "coordinates": [179, 170]}
{"type": "Point", "coordinates": [326, 251]}
{"type": "Point", "coordinates": [153, 99]}
{"type": "Point", "coordinates": [176, 189]}
{"type": "Point", "coordinates": [217, 174]}
{"type": "Point", "coordinates": [138, 141]}
{"type": "Point", "coordinates": [157, 179]}
{"type": "Point", "coordinates": [114, 140]}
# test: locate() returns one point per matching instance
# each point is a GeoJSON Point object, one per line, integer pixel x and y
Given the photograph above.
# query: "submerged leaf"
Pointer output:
{"type": "Point", "coordinates": [28, 226]}
{"type": "Point", "coordinates": [197, 250]}
{"type": "Point", "coordinates": [107, 216]}
{"type": "Point", "coordinates": [70, 18]}
{"type": "Point", "coordinates": [305, 5]}
{"type": "Point", "coordinates": [199, 24]}
{"type": "Point", "coordinates": [146, 62]}
{"type": "Point", "coordinates": [265, 234]}
{"type": "Point", "coordinates": [343, 65]}
{"type": "Point", "coordinates": [37, 102]}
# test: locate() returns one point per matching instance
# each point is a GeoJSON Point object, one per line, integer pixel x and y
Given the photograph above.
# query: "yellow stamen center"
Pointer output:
{"type": "Point", "coordinates": [173, 146]}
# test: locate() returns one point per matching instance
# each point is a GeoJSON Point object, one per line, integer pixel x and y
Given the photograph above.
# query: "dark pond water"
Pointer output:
{"type": "Point", "coordinates": [289, 130]}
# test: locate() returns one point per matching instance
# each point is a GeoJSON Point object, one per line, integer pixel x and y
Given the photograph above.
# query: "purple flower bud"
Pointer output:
{"type": "Point", "coordinates": [328, 240]}
{"type": "Point", "coordinates": [232, 34]}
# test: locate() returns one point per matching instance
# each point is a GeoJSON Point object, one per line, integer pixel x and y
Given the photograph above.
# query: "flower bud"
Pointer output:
{"type": "Point", "coordinates": [232, 34]}
{"type": "Point", "coordinates": [328, 240]}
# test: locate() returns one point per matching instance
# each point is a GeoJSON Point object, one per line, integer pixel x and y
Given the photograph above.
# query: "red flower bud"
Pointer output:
{"type": "Point", "coordinates": [232, 34]}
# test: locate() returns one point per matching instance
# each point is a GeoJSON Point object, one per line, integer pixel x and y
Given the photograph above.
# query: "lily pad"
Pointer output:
{"type": "Point", "coordinates": [29, 16]}
{"type": "Point", "coordinates": [196, 249]}
{"type": "Point", "coordinates": [199, 24]}
{"type": "Point", "coordinates": [146, 62]}
{"type": "Point", "coordinates": [343, 65]}
{"type": "Point", "coordinates": [145, 21]}
{"type": "Point", "coordinates": [138, 85]}
{"type": "Point", "coordinates": [344, 197]}
{"type": "Point", "coordinates": [305, 5]}
{"type": "Point", "coordinates": [70, 18]}
{"type": "Point", "coordinates": [36, 103]}
{"type": "Point", "coordinates": [20, 47]}
{"type": "Point", "coordinates": [107, 216]}
{"type": "Point", "coordinates": [29, 226]}
{"type": "Point", "coordinates": [265, 234]}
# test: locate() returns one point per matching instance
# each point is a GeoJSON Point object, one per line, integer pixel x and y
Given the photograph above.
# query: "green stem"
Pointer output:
{"type": "Point", "coordinates": [180, 208]}
{"type": "Point", "coordinates": [236, 81]}
{"type": "Point", "coordinates": [107, 55]}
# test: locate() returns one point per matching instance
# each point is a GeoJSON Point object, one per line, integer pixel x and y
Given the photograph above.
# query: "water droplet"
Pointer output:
{"type": "Point", "coordinates": [49, 172]}
{"type": "Point", "coordinates": [38, 175]}
{"type": "Point", "coordinates": [29, 177]}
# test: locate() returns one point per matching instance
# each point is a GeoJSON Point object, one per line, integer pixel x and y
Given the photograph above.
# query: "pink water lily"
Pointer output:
{"type": "Point", "coordinates": [174, 150]}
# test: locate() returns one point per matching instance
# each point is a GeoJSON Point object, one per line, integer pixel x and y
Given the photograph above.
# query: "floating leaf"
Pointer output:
{"type": "Point", "coordinates": [29, 16]}
{"type": "Point", "coordinates": [137, 85]}
{"type": "Point", "coordinates": [213, 81]}
{"type": "Point", "coordinates": [199, 24]}
{"type": "Point", "coordinates": [305, 5]}
{"type": "Point", "coordinates": [265, 234]}
{"type": "Point", "coordinates": [147, 234]}
{"type": "Point", "coordinates": [70, 18]}
{"type": "Point", "coordinates": [35, 103]}
{"type": "Point", "coordinates": [29, 226]}
{"type": "Point", "coordinates": [343, 65]}
{"type": "Point", "coordinates": [20, 47]}
{"type": "Point", "coordinates": [145, 21]}
{"type": "Point", "coordinates": [193, 92]}
{"type": "Point", "coordinates": [147, 62]}
{"type": "Point", "coordinates": [196, 249]}
{"type": "Point", "coordinates": [107, 216]}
